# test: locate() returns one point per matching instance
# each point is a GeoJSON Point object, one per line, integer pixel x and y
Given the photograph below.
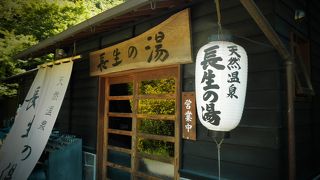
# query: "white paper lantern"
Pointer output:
{"type": "Point", "coordinates": [221, 82]}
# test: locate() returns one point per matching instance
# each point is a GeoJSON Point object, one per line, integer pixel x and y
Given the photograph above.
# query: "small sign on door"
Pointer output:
{"type": "Point", "coordinates": [189, 115]}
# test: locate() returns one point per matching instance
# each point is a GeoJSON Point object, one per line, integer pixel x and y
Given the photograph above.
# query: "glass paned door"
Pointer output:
{"type": "Point", "coordinates": [142, 125]}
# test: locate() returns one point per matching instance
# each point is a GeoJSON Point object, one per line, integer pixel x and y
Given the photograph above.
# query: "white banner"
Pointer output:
{"type": "Point", "coordinates": [34, 122]}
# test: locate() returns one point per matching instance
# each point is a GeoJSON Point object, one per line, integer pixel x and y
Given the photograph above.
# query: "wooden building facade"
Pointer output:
{"type": "Point", "coordinates": [256, 149]}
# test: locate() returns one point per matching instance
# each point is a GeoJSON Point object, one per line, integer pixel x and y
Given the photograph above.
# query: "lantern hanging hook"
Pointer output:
{"type": "Point", "coordinates": [217, 2]}
{"type": "Point", "coordinates": [153, 4]}
{"type": "Point", "coordinates": [218, 143]}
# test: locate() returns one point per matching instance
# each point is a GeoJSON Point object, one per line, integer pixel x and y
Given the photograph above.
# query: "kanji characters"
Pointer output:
{"type": "Point", "coordinates": [32, 101]}
{"type": "Point", "coordinates": [160, 53]}
{"type": "Point", "coordinates": [233, 66]}
{"type": "Point", "coordinates": [210, 58]}
{"type": "Point", "coordinates": [102, 65]}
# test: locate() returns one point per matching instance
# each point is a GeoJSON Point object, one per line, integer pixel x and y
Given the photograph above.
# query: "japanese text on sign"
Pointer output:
{"type": "Point", "coordinates": [189, 118]}
{"type": "Point", "coordinates": [156, 47]}
{"type": "Point", "coordinates": [209, 113]}
{"type": "Point", "coordinates": [233, 66]}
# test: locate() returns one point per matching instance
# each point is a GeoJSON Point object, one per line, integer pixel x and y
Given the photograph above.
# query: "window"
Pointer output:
{"type": "Point", "coordinates": [300, 50]}
{"type": "Point", "coordinates": [140, 125]}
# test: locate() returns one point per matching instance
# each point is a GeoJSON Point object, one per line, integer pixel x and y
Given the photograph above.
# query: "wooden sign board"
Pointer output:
{"type": "Point", "coordinates": [166, 44]}
{"type": "Point", "coordinates": [189, 115]}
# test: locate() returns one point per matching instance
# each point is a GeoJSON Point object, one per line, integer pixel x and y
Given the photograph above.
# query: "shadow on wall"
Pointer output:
{"type": "Point", "coordinates": [8, 108]}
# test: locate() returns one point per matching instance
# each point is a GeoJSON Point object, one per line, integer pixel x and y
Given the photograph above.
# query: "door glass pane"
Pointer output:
{"type": "Point", "coordinates": [117, 174]}
{"type": "Point", "coordinates": [157, 107]}
{"type": "Point", "coordinates": [156, 168]}
{"type": "Point", "coordinates": [156, 147]}
{"type": "Point", "coordinates": [120, 123]}
{"type": "Point", "coordinates": [119, 140]}
{"type": "Point", "coordinates": [123, 89]}
{"type": "Point", "coordinates": [120, 158]}
{"type": "Point", "coordinates": [120, 106]}
{"type": "Point", "coordinates": [157, 127]}
{"type": "Point", "coordinates": [158, 86]}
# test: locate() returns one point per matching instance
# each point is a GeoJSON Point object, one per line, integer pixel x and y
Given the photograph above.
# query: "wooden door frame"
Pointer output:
{"type": "Point", "coordinates": [102, 126]}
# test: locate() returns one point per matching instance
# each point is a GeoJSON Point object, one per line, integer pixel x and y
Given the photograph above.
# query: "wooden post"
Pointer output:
{"type": "Point", "coordinates": [189, 126]}
{"type": "Point", "coordinates": [101, 133]}
{"type": "Point", "coordinates": [177, 125]}
{"type": "Point", "coordinates": [135, 126]}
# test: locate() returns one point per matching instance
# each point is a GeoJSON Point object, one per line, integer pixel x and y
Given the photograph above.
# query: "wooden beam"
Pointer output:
{"type": "Point", "coordinates": [119, 132]}
{"type": "Point", "coordinates": [146, 176]}
{"type": "Point", "coordinates": [119, 149]}
{"type": "Point", "coordinates": [266, 28]}
{"type": "Point", "coordinates": [156, 137]}
{"type": "Point", "coordinates": [120, 167]}
{"type": "Point", "coordinates": [113, 114]}
{"type": "Point", "coordinates": [60, 61]}
{"type": "Point", "coordinates": [156, 117]}
{"type": "Point", "coordinates": [119, 98]}
{"type": "Point", "coordinates": [157, 96]}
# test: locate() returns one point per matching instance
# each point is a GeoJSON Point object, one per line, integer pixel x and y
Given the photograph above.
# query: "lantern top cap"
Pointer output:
{"type": "Point", "coordinates": [217, 37]}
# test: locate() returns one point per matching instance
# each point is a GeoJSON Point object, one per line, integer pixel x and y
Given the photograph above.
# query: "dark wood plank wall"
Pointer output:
{"type": "Point", "coordinates": [252, 152]}
{"type": "Point", "coordinates": [307, 127]}
{"type": "Point", "coordinates": [84, 104]}
{"type": "Point", "coordinates": [314, 31]}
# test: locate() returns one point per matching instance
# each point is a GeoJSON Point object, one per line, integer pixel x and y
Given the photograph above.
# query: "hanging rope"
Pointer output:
{"type": "Point", "coordinates": [74, 52]}
{"type": "Point", "coordinates": [93, 29]}
{"type": "Point", "coordinates": [153, 4]}
{"type": "Point", "coordinates": [220, 34]}
{"type": "Point", "coordinates": [219, 155]}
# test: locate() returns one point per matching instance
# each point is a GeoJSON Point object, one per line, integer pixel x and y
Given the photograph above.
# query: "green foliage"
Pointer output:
{"type": "Point", "coordinates": [159, 86]}
{"type": "Point", "coordinates": [154, 107]}
{"type": "Point", "coordinates": [8, 90]}
{"type": "Point", "coordinates": [11, 44]}
{"type": "Point", "coordinates": [25, 22]}
{"type": "Point", "coordinates": [157, 106]}
{"type": "Point", "coordinates": [45, 18]}
{"type": "Point", "coordinates": [156, 147]}
{"type": "Point", "coordinates": [158, 127]}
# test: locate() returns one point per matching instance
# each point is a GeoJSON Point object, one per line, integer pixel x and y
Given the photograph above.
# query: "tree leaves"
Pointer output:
{"type": "Point", "coordinates": [24, 23]}
{"type": "Point", "coordinates": [10, 45]}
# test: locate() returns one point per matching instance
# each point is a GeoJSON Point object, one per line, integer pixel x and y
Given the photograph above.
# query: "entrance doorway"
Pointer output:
{"type": "Point", "coordinates": [140, 138]}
